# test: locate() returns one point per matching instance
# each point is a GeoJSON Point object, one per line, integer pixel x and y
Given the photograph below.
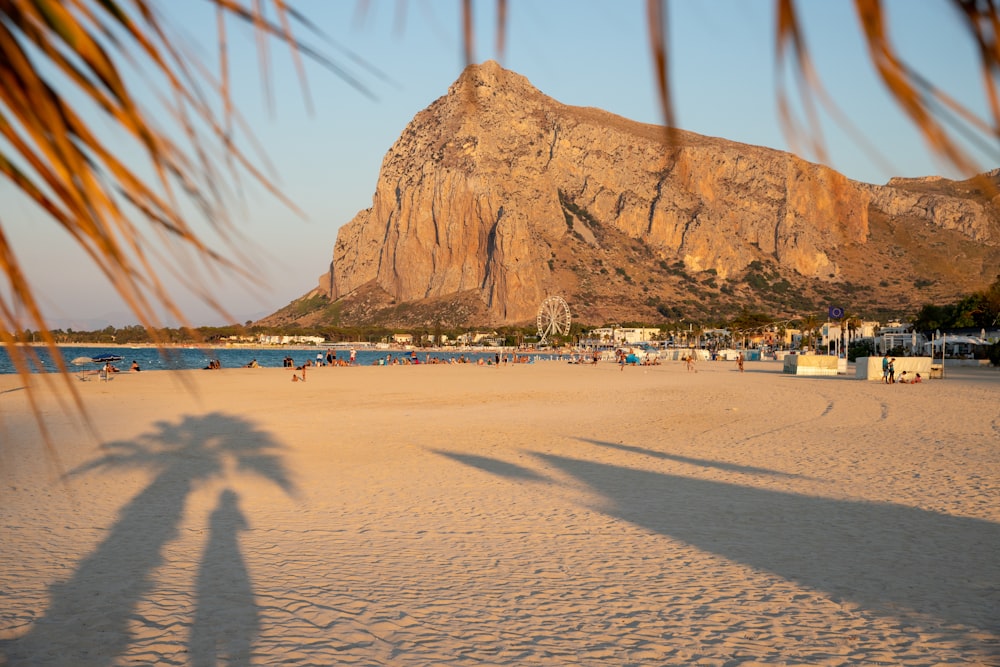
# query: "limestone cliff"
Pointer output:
{"type": "Point", "coordinates": [496, 195]}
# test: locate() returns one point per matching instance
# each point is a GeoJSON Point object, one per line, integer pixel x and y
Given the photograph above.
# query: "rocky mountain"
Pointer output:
{"type": "Point", "coordinates": [496, 196]}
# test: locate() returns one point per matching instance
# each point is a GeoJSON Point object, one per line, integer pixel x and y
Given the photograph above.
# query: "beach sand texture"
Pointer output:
{"type": "Point", "coordinates": [536, 514]}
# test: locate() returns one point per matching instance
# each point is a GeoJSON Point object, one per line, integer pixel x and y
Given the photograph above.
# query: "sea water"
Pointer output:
{"type": "Point", "coordinates": [177, 358]}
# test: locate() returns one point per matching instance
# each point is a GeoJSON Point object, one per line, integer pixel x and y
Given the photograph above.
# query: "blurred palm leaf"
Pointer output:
{"type": "Point", "coordinates": [944, 122]}
{"type": "Point", "coordinates": [63, 166]}
{"type": "Point", "coordinates": [60, 64]}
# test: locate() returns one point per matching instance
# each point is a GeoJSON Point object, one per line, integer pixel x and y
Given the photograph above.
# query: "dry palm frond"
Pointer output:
{"type": "Point", "coordinates": [60, 61]}
{"type": "Point", "coordinates": [943, 121]}
{"type": "Point", "coordinates": [656, 17]}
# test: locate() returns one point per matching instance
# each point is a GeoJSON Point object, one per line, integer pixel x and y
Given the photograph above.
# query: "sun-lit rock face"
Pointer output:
{"type": "Point", "coordinates": [492, 181]}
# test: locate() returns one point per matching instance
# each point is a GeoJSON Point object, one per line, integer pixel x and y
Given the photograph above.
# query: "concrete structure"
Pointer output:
{"type": "Point", "coordinates": [870, 368]}
{"type": "Point", "coordinates": [810, 364]}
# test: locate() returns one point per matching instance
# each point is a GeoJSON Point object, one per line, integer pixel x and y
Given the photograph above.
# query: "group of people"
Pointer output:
{"type": "Point", "coordinates": [330, 360]}
{"type": "Point", "coordinates": [110, 368]}
{"type": "Point", "coordinates": [889, 373]}
{"type": "Point", "coordinates": [632, 358]}
{"type": "Point", "coordinates": [888, 370]}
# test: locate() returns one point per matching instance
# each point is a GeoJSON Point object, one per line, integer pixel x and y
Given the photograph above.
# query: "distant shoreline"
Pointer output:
{"type": "Point", "coordinates": [255, 346]}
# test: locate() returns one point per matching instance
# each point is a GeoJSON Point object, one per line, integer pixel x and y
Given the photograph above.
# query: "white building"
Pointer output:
{"type": "Point", "coordinates": [291, 340]}
{"type": "Point", "coordinates": [479, 338]}
{"type": "Point", "coordinates": [624, 335]}
{"type": "Point", "coordinates": [832, 335]}
{"type": "Point", "coordinates": [895, 336]}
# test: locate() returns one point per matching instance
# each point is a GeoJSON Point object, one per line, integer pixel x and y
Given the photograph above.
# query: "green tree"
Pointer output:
{"type": "Point", "coordinates": [980, 309]}
{"type": "Point", "coordinates": [809, 324]}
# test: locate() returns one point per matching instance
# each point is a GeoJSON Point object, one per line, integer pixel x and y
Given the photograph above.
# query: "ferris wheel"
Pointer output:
{"type": "Point", "coordinates": [553, 318]}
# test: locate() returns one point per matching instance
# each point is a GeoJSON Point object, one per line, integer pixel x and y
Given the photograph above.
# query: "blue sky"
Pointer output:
{"type": "Point", "coordinates": [581, 52]}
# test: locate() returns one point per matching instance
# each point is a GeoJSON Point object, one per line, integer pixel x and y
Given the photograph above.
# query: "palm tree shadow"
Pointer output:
{"type": "Point", "coordinates": [706, 463]}
{"type": "Point", "coordinates": [227, 619]}
{"type": "Point", "coordinates": [891, 559]}
{"type": "Point", "coordinates": [494, 466]}
{"type": "Point", "coordinates": [96, 604]}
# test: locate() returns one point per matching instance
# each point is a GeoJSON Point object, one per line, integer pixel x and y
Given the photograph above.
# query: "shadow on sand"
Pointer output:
{"type": "Point", "coordinates": [493, 466]}
{"type": "Point", "coordinates": [886, 558]}
{"type": "Point", "coordinates": [920, 566]}
{"type": "Point", "coordinates": [226, 620]}
{"type": "Point", "coordinates": [704, 463]}
{"type": "Point", "coordinates": [88, 618]}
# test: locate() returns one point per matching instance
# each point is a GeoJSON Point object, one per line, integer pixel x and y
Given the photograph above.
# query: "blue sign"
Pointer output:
{"type": "Point", "coordinates": [836, 313]}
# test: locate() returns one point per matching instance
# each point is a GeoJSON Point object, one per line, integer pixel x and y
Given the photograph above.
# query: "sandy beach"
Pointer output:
{"type": "Point", "coordinates": [534, 514]}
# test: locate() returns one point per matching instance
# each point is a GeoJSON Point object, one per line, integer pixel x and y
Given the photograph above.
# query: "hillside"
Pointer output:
{"type": "Point", "coordinates": [496, 196]}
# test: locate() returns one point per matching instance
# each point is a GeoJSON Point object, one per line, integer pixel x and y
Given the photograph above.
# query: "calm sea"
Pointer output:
{"type": "Point", "coordinates": [189, 358]}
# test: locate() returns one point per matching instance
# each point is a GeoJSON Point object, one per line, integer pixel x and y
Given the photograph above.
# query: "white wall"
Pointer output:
{"type": "Point", "coordinates": [870, 368]}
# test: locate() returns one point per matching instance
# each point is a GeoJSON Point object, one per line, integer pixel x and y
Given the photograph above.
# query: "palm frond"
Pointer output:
{"type": "Point", "coordinates": [61, 61]}
{"type": "Point", "coordinates": [942, 121]}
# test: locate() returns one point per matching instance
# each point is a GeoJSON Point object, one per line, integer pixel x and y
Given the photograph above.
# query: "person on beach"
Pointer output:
{"type": "Point", "coordinates": [296, 378]}
{"type": "Point", "coordinates": [885, 369]}
{"type": "Point", "coordinates": [319, 359]}
{"type": "Point", "coordinates": [135, 366]}
{"type": "Point", "coordinates": [892, 371]}
{"type": "Point", "coordinates": [903, 379]}
{"type": "Point", "coordinates": [739, 362]}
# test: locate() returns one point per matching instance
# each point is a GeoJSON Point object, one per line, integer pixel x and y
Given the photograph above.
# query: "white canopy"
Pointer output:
{"type": "Point", "coordinates": [957, 340]}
